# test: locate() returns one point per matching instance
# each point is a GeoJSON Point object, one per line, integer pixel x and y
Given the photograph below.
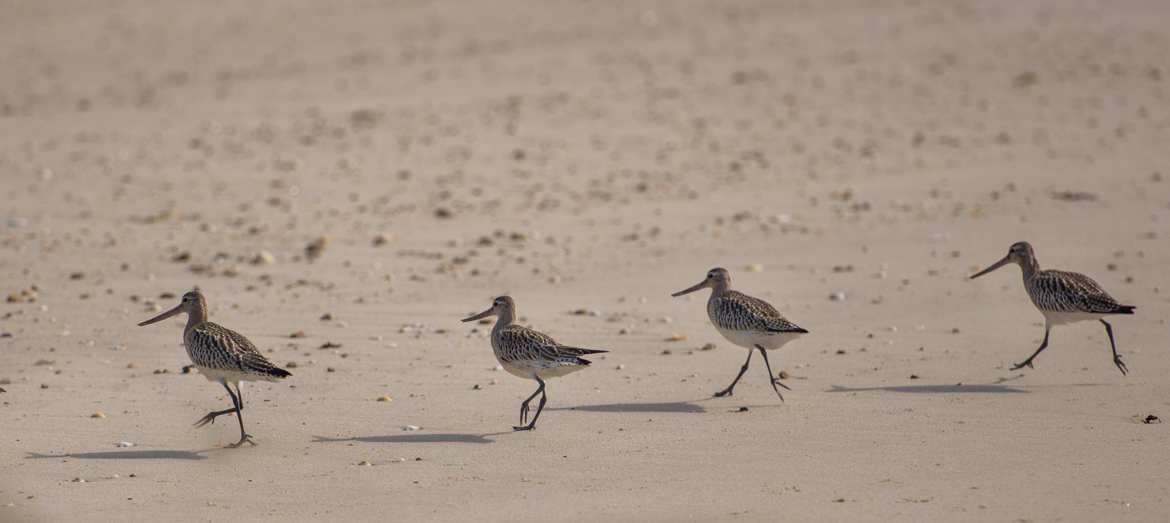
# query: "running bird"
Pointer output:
{"type": "Point", "coordinates": [529, 354]}
{"type": "Point", "coordinates": [745, 321]}
{"type": "Point", "coordinates": [1062, 297]}
{"type": "Point", "coordinates": [222, 355]}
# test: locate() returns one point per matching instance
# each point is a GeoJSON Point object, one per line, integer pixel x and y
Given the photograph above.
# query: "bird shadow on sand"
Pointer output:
{"type": "Point", "coordinates": [670, 406]}
{"type": "Point", "coordinates": [126, 454]}
{"type": "Point", "coordinates": [937, 389]}
{"type": "Point", "coordinates": [416, 438]}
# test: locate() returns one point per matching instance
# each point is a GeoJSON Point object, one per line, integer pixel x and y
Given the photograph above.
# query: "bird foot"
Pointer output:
{"type": "Point", "coordinates": [245, 437]}
{"type": "Point", "coordinates": [1019, 366]}
{"type": "Point", "coordinates": [525, 427]}
{"type": "Point", "coordinates": [722, 393]}
{"type": "Point", "coordinates": [210, 417]}
{"type": "Point", "coordinates": [777, 382]}
{"type": "Point", "coordinates": [1120, 365]}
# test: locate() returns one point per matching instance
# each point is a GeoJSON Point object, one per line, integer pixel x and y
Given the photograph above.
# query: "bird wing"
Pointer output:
{"type": "Point", "coordinates": [519, 343]}
{"type": "Point", "coordinates": [738, 311]}
{"type": "Point", "coordinates": [1070, 292]}
{"type": "Point", "coordinates": [227, 349]}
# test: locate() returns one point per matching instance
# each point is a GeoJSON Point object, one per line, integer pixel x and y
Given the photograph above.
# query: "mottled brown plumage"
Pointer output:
{"type": "Point", "coordinates": [1062, 297]}
{"type": "Point", "coordinates": [221, 355]}
{"type": "Point", "coordinates": [745, 321]}
{"type": "Point", "coordinates": [529, 354]}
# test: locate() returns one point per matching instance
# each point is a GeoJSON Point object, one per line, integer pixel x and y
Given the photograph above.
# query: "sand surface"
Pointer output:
{"type": "Point", "coordinates": [595, 157]}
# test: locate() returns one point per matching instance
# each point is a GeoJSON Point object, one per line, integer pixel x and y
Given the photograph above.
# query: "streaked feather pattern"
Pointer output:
{"type": "Point", "coordinates": [737, 311]}
{"type": "Point", "coordinates": [214, 347]}
{"type": "Point", "coordinates": [1061, 291]}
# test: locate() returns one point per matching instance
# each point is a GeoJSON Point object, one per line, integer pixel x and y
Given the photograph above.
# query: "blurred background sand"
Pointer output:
{"type": "Point", "coordinates": [587, 158]}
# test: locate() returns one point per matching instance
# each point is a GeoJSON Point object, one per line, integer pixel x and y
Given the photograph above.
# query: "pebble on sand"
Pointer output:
{"type": "Point", "coordinates": [125, 444]}
{"type": "Point", "coordinates": [263, 258]}
{"type": "Point", "coordinates": [837, 296]}
{"type": "Point", "coordinates": [410, 428]}
{"type": "Point", "coordinates": [382, 239]}
{"type": "Point", "coordinates": [384, 399]}
{"type": "Point", "coordinates": [316, 247]}
{"type": "Point", "coordinates": [98, 415]}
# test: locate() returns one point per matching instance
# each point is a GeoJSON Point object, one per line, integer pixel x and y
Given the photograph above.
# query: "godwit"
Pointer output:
{"type": "Point", "coordinates": [222, 355]}
{"type": "Point", "coordinates": [1062, 297]}
{"type": "Point", "coordinates": [529, 354]}
{"type": "Point", "coordinates": [745, 321]}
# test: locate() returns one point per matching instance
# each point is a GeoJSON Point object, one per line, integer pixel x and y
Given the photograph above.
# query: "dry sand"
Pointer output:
{"type": "Point", "coordinates": [595, 156]}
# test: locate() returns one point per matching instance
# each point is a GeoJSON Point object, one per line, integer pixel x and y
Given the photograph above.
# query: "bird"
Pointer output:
{"type": "Point", "coordinates": [222, 355]}
{"type": "Point", "coordinates": [748, 322]}
{"type": "Point", "coordinates": [530, 354]}
{"type": "Point", "coordinates": [1062, 297]}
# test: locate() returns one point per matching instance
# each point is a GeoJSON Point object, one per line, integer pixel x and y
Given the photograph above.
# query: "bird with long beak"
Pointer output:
{"type": "Point", "coordinates": [749, 322]}
{"type": "Point", "coordinates": [222, 355]}
{"type": "Point", "coordinates": [1062, 297]}
{"type": "Point", "coordinates": [526, 353]}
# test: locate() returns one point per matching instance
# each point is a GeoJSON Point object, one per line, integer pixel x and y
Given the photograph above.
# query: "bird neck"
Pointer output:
{"type": "Point", "coordinates": [504, 319]}
{"type": "Point", "coordinates": [1029, 266]}
{"type": "Point", "coordinates": [195, 318]}
{"type": "Point", "coordinates": [720, 288]}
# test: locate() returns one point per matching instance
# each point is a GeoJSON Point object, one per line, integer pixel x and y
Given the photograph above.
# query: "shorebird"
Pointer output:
{"type": "Point", "coordinates": [749, 322]}
{"type": "Point", "coordinates": [529, 354]}
{"type": "Point", "coordinates": [1062, 297]}
{"type": "Point", "coordinates": [222, 355]}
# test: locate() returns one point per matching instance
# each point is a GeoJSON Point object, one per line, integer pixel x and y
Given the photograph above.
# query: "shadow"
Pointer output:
{"type": "Point", "coordinates": [938, 389]}
{"type": "Point", "coordinates": [416, 438]}
{"type": "Point", "coordinates": [675, 406]}
{"type": "Point", "coordinates": [125, 454]}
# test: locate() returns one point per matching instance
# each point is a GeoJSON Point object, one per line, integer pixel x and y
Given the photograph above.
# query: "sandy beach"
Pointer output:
{"type": "Point", "coordinates": [346, 181]}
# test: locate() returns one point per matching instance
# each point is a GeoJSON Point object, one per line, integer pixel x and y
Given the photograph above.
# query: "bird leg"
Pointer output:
{"type": "Point", "coordinates": [772, 377]}
{"type": "Point", "coordinates": [1116, 359]}
{"type": "Point", "coordinates": [539, 407]}
{"type": "Point", "coordinates": [1043, 345]}
{"type": "Point", "coordinates": [727, 391]}
{"type": "Point", "coordinates": [524, 406]}
{"type": "Point", "coordinates": [238, 405]}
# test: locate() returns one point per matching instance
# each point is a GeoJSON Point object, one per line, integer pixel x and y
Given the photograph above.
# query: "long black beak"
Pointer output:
{"type": "Point", "coordinates": [178, 308]}
{"type": "Point", "coordinates": [691, 289]}
{"type": "Point", "coordinates": [483, 314]}
{"type": "Point", "coordinates": [993, 267]}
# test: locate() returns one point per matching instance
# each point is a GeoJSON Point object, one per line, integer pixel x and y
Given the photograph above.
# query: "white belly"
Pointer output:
{"type": "Point", "coordinates": [749, 339]}
{"type": "Point", "coordinates": [231, 376]}
{"type": "Point", "coordinates": [544, 369]}
{"type": "Point", "coordinates": [1061, 318]}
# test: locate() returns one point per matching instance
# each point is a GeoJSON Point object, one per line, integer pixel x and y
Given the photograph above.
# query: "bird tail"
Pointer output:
{"type": "Point", "coordinates": [578, 351]}
{"type": "Point", "coordinates": [1124, 309]}
{"type": "Point", "coordinates": [798, 330]}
